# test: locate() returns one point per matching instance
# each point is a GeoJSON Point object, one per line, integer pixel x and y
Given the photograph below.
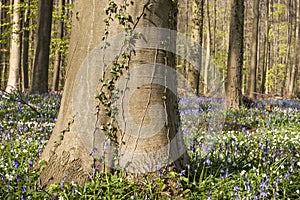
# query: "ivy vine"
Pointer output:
{"type": "Point", "coordinates": [108, 91]}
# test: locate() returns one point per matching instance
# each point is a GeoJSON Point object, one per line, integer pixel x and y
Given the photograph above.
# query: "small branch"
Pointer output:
{"type": "Point", "coordinates": [19, 99]}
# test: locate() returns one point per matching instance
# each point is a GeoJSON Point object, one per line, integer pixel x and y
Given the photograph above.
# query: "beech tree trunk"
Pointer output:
{"type": "Point", "coordinates": [197, 35]}
{"type": "Point", "coordinates": [13, 82]}
{"type": "Point", "coordinates": [207, 56]}
{"type": "Point", "coordinates": [25, 53]}
{"type": "Point", "coordinates": [295, 69]}
{"type": "Point", "coordinates": [73, 150]}
{"type": "Point", "coordinates": [233, 85]}
{"type": "Point", "coordinates": [39, 82]}
{"type": "Point", "coordinates": [58, 57]}
{"type": "Point", "coordinates": [254, 50]}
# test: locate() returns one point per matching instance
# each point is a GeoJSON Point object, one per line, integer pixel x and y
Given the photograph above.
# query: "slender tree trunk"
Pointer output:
{"type": "Point", "coordinates": [25, 54]}
{"type": "Point", "coordinates": [235, 55]}
{"type": "Point", "coordinates": [3, 46]}
{"type": "Point", "coordinates": [197, 35]}
{"type": "Point", "coordinates": [41, 62]}
{"type": "Point", "coordinates": [1, 51]}
{"type": "Point", "coordinates": [13, 82]}
{"type": "Point", "coordinates": [295, 68]}
{"type": "Point", "coordinates": [266, 61]}
{"type": "Point", "coordinates": [288, 63]}
{"type": "Point", "coordinates": [58, 57]}
{"type": "Point", "coordinates": [191, 30]}
{"type": "Point", "coordinates": [254, 50]}
{"type": "Point", "coordinates": [214, 29]}
{"type": "Point", "coordinates": [208, 44]}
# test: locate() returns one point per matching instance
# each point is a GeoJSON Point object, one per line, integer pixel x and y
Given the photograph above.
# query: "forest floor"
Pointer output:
{"type": "Point", "coordinates": [252, 153]}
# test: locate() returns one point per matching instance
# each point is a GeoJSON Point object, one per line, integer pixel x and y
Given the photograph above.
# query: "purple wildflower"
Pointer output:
{"type": "Point", "coordinates": [30, 163]}
{"type": "Point", "coordinates": [226, 173]}
{"type": "Point", "coordinates": [263, 185]}
{"type": "Point", "coordinates": [287, 175]}
{"type": "Point", "coordinates": [15, 164]}
{"type": "Point", "coordinates": [94, 172]}
{"type": "Point", "coordinates": [207, 161]}
{"type": "Point", "coordinates": [73, 189]}
{"type": "Point", "coordinates": [18, 178]}
{"type": "Point", "coordinates": [236, 188]}
{"type": "Point", "coordinates": [24, 189]}
{"type": "Point", "coordinates": [263, 194]}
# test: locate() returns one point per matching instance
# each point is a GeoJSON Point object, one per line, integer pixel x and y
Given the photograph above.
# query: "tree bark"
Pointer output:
{"type": "Point", "coordinates": [197, 36]}
{"type": "Point", "coordinates": [25, 53]}
{"type": "Point", "coordinates": [58, 57]}
{"type": "Point", "coordinates": [265, 58]}
{"type": "Point", "coordinates": [13, 82]}
{"type": "Point", "coordinates": [73, 152]}
{"type": "Point", "coordinates": [208, 44]}
{"type": "Point", "coordinates": [294, 72]}
{"type": "Point", "coordinates": [39, 82]}
{"type": "Point", "coordinates": [235, 55]}
{"type": "Point", "coordinates": [254, 50]}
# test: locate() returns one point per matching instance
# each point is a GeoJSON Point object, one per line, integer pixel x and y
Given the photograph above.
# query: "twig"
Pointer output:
{"type": "Point", "coordinates": [18, 99]}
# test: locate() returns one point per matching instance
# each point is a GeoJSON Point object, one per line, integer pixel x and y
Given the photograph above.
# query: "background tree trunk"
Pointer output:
{"type": "Point", "coordinates": [207, 50]}
{"type": "Point", "coordinates": [235, 55]}
{"type": "Point", "coordinates": [58, 56]}
{"type": "Point", "coordinates": [197, 35]}
{"type": "Point", "coordinates": [254, 50]}
{"type": "Point", "coordinates": [294, 72]}
{"type": "Point", "coordinates": [25, 53]}
{"type": "Point", "coordinates": [41, 62]}
{"type": "Point", "coordinates": [13, 82]}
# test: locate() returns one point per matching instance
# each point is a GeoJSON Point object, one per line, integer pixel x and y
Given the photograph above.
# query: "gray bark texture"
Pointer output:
{"type": "Point", "coordinates": [71, 153]}
{"type": "Point", "coordinates": [41, 61]}
{"type": "Point", "coordinates": [233, 83]}
{"type": "Point", "coordinates": [13, 82]}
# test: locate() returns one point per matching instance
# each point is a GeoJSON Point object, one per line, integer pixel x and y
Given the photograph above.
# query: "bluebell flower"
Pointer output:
{"type": "Point", "coordinates": [94, 172]}
{"type": "Point", "coordinates": [268, 124]}
{"type": "Point", "coordinates": [24, 189]}
{"type": "Point", "coordinates": [265, 151]}
{"type": "Point", "coordinates": [247, 184]}
{"type": "Point", "coordinates": [177, 184]}
{"type": "Point", "coordinates": [207, 161]}
{"type": "Point", "coordinates": [30, 163]}
{"type": "Point", "coordinates": [263, 185]}
{"type": "Point", "coordinates": [73, 189]}
{"type": "Point", "coordinates": [236, 188]}
{"type": "Point", "coordinates": [62, 184]}
{"type": "Point", "coordinates": [226, 173]}
{"type": "Point", "coordinates": [287, 175]}
{"type": "Point", "coordinates": [18, 178]}
{"type": "Point", "coordinates": [263, 194]}
{"type": "Point", "coordinates": [3, 178]}
{"type": "Point", "coordinates": [182, 173]}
